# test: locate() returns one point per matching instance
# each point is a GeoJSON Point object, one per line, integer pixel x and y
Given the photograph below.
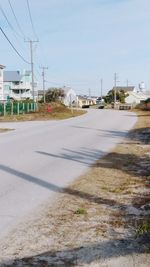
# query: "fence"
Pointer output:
{"type": "Point", "coordinates": [11, 108]}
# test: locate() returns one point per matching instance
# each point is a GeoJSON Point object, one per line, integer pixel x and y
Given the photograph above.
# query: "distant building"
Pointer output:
{"type": "Point", "coordinates": [126, 89]}
{"type": "Point", "coordinates": [141, 87]}
{"type": "Point", "coordinates": [18, 86]}
{"type": "Point", "coordinates": [83, 101]}
{"type": "Point", "coordinates": [137, 97]}
{"type": "Point", "coordinates": [134, 96]}
{"type": "Point", "coordinates": [2, 82]}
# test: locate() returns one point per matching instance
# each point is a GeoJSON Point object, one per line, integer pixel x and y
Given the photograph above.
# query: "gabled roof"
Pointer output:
{"type": "Point", "coordinates": [125, 88]}
{"type": "Point", "coordinates": [2, 67]}
{"type": "Point", "coordinates": [12, 76]}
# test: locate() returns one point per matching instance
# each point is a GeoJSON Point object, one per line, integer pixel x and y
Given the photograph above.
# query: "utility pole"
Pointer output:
{"type": "Point", "coordinates": [101, 89]}
{"type": "Point", "coordinates": [115, 82]}
{"type": "Point", "coordinates": [43, 75]}
{"type": "Point", "coordinates": [127, 83]}
{"type": "Point", "coordinates": [32, 65]}
{"type": "Point", "coordinates": [89, 92]}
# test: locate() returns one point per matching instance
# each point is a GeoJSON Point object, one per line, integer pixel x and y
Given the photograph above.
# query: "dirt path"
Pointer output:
{"type": "Point", "coordinates": [102, 219]}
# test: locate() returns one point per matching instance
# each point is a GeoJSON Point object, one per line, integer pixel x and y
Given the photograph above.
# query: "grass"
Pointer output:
{"type": "Point", "coordinates": [80, 211]}
{"type": "Point", "coordinates": [2, 130]}
{"type": "Point", "coordinates": [58, 112]}
{"type": "Point", "coordinates": [143, 228]}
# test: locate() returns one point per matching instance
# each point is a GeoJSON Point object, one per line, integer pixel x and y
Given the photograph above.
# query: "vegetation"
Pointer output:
{"type": "Point", "coordinates": [143, 228]}
{"type": "Point", "coordinates": [120, 96]}
{"type": "Point", "coordinates": [53, 95]}
{"type": "Point", "coordinates": [48, 111]}
{"type": "Point", "coordinates": [81, 211]}
{"type": "Point", "coordinates": [5, 130]}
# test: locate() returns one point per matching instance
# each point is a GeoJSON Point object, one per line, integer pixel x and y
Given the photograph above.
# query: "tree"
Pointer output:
{"type": "Point", "coordinates": [54, 94]}
{"type": "Point", "coordinates": [120, 96]}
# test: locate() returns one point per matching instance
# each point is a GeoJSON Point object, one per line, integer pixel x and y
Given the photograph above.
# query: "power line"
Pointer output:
{"type": "Point", "coordinates": [10, 25]}
{"type": "Point", "coordinates": [14, 47]}
{"type": "Point", "coordinates": [52, 82]}
{"type": "Point", "coordinates": [31, 20]}
{"type": "Point", "coordinates": [15, 33]}
{"type": "Point", "coordinates": [19, 27]}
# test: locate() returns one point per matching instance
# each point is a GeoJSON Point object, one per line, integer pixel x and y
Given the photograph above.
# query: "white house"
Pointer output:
{"type": "Point", "coordinates": [2, 83]}
{"type": "Point", "coordinates": [136, 97]}
{"type": "Point", "coordinates": [83, 101]}
{"type": "Point", "coordinates": [70, 97]}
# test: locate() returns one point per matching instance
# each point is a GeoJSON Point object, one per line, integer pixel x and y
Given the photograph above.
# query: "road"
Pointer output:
{"type": "Point", "coordinates": [38, 159]}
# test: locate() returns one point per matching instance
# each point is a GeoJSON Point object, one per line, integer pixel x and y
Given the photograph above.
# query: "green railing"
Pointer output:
{"type": "Point", "coordinates": [10, 108]}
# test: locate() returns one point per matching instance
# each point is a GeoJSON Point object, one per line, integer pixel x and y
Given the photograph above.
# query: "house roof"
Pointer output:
{"type": "Point", "coordinates": [12, 76]}
{"type": "Point", "coordinates": [2, 66]}
{"type": "Point", "coordinates": [124, 88]}
{"type": "Point", "coordinates": [139, 95]}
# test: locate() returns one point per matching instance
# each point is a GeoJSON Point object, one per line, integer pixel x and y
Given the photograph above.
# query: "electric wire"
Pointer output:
{"type": "Point", "coordinates": [15, 33]}
{"type": "Point", "coordinates": [14, 47]}
{"type": "Point", "coordinates": [8, 22]}
{"type": "Point", "coordinates": [31, 20]}
{"type": "Point", "coordinates": [15, 17]}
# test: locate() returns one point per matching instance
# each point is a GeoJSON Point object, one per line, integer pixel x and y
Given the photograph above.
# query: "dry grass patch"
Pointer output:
{"type": "Point", "coordinates": [58, 112]}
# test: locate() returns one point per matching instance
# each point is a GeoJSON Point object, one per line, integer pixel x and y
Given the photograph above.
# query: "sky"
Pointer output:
{"type": "Point", "coordinates": [80, 41]}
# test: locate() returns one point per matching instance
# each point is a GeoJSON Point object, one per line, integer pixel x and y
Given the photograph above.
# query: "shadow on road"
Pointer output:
{"type": "Point", "coordinates": [55, 188]}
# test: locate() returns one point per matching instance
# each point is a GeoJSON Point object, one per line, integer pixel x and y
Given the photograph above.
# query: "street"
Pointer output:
{"type": "Point", "coordinates": [38, 159]}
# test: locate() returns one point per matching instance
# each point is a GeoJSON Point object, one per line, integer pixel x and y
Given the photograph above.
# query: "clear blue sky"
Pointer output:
{"type": "Point", "coordinates": [81, 41]}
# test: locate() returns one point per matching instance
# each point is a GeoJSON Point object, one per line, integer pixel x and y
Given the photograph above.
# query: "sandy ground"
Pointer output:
{"type": "Point", "coordinates": [102, 219]}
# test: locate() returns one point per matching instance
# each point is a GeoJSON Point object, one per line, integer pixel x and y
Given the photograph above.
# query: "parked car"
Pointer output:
{"type": "Point", "coordinates": [85, 106]}
{"type": "Point", "coordinates": [101, 106]}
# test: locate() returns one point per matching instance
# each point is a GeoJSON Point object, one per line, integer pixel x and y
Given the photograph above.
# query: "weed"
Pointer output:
{"type": "Point", "coordinates": [81, 211]}
{"type": "Point", "coordinates": [143, 228]}
{"type": "Point", "coordinates": [5, 130]}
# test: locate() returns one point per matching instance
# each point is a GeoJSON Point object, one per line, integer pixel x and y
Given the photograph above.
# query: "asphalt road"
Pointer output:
{"type": "Point", "coordinates": [37, 159]}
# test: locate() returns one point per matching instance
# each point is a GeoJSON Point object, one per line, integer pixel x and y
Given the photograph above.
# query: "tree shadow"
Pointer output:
{"type": "Point", "coordinates": [129, 163]}
{"type": "Point", "coordinates": [85, 254]}
{"type": "Point", "coordinates": [55, 188]}
{"type": "Point", "coordinates": [105, 133]}
{"type": "Point", "coordinates": [83, 155]}
{"type": "Point", "coordinates": [141, 135]}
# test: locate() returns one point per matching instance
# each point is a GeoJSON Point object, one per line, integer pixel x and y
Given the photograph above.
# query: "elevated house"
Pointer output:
{"type": "Point", "coordinates": [2, 82]}
{"type": "Point", "coordinates": [17, 86]}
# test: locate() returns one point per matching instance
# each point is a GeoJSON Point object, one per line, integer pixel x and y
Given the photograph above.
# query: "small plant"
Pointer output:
{"type": "Point", "coordinates": [81, 211]}
{"type": "Point", "coordinates": [143, 228]}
